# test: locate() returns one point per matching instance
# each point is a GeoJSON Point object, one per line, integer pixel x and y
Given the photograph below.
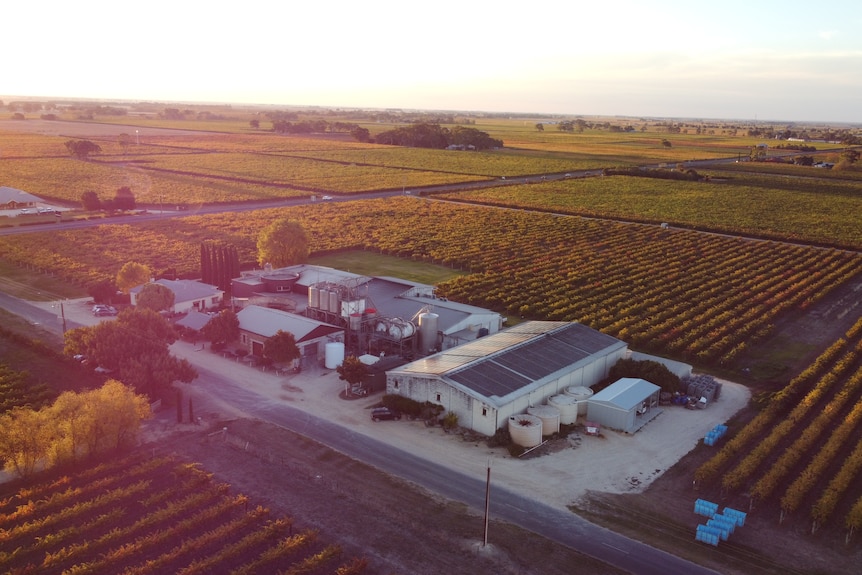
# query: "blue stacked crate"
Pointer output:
{"type": "Point", "coordinates": [705, 508]}
{"type": "Point", "coordinates": [715, 434]}
{"type": "Point", "coordinates": [707, 534]}
{"type": "Point", "coordinates": [738, 516]}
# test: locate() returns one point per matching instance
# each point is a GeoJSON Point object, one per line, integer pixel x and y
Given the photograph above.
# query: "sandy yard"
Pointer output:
{"type": "Point", "coordinates": [612, 463]}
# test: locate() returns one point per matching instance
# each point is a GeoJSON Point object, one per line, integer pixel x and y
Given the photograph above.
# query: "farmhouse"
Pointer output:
{"type": "Point", "coordinates": [11, 199]}
{"type": "Point", "coordinates": [257, 324]}
{"type": "Point", "coordinates": [625, 405]}
{"type": "Point", "coordinates": [384, 315]}
{"type": "Point", "coordinates": [189, 295]}
{"type": "Point", "coordinates": [486, 381]}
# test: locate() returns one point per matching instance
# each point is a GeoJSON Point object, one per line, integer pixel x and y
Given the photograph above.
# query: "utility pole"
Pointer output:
{"type": "Point", "coordinates": [63, 316]}
{"type": "Point", "coordinates": [487, 503]}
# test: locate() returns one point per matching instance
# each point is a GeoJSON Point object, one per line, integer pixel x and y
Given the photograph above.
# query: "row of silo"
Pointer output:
{"type": "Point", "coordinates": [324, 299]}
{"type": "Point", "coordinates": [527, 429]}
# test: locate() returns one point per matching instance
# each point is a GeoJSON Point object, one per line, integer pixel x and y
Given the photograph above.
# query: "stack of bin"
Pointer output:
{"type": "Point", "coordinates": [713, 436]}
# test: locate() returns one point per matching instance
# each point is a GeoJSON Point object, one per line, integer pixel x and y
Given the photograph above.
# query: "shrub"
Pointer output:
{"type": "Point", "coordinates": [450, 420]}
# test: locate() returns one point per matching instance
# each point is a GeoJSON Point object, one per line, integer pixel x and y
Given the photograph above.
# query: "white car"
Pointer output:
{"type": "Point", "coordinates": [326, 198]}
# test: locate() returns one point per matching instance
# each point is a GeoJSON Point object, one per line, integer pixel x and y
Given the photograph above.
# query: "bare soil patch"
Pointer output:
{"type": "Point", "coordinates": [397, 526]}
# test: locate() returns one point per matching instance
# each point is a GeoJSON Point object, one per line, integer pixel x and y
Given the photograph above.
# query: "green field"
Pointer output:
{"type": "Point", "coordinates": [375, 264]}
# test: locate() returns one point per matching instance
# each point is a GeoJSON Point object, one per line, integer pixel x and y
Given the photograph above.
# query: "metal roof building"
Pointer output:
{"type": "Point", "coordinates": [626, 405]}
{"type": "Point", "coordinates": [188, 295]}
{"type": "Point", "coordinates": [333, 296]}
{"type": "Point", "coordinates": [496, 376]}
{"type": "Point", "coordinates": [257, 324]}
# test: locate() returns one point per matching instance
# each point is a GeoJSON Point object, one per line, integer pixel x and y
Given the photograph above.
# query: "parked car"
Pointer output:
{"type": "Point", "coordinates": [381, 413]}
{"type": "Point", "coordinates": [104, 310]}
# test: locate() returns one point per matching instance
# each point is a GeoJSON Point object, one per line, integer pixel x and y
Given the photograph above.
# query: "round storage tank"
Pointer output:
{"type": "Point", "coordinates": [355, 320]}
{"type": "Point", "coordinates": [525, 429]}
{"type": "Point", "coordinates": [428, 331]}
{"type": "Point", "coordinates": [400, 329]}
{"type": "Point", "coordinates": [334, 354]}
{"type": "Point", "coordinates": [568, 407]}
{"type": "Point", "coordinates": [313, 297]}
{"type": "Point", "coordinates": [550, 417]}
{"type": "Point", "coordinates": [582, 394]}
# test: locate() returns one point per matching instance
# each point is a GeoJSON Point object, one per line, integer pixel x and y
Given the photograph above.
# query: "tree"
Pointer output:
{"type": "Point", "coordinates": [124, 140]}
{"type": "Point", "coordinates": [850, 156]}
{"type": "Point", "coordinates": [255, 124]}
{"type": "Point", "coordinates": [22, 443]}
{"type": "Point", "coordinates": [281, 347]}
{"type": "Point", "coordinates": [90, 201]}
{"type": "Point", "coordinates": [652, 371]}
{"type": "Point", "coordinates": [81, 149]}
{"type": "Point", "coordinates": [361, 134]}
{"type": "Point", "coordinates": [155, 297]}
{"type": "Point", "coordinates": [222, 329]}
{"type": "Point", "coordinates": [132, 274]}
{"type": "Point", "coordinates": [136, 346]}
{"type": "Point", "coordinates": [540, 127]}
{"type": "Point", "coordinates": [352, 370]}
{"type": "Point", "coordinates": [103, 291]}
{"type": "Point", "coordinates": [283, 243]}
{"type": "Point", "coordinates": [219, 264]}
{"type": "Point", "coordinates": [124, 199]}
{"type": "Point", "coordinates": [75, 426]}
{"type": "Point", "coordinates": [666, 143]}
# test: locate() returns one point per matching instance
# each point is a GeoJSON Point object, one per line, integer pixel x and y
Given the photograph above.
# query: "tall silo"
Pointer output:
{"type": "Point", "coordinates": [324, 300]}
{"type": "Point", "coordinates": [334, 302]}
{"type": "Point", "coordinates": [313, 297]}
{"type": "Point", "coordinates": [428, 327]}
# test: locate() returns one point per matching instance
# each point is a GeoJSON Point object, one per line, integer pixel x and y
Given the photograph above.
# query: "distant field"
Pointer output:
{"type": "Point", "coordinates": [166, 161]}
{"type": "Point", "coordinates": [808, 210]}
{"type": "Point", "coordinates": [376, 264]}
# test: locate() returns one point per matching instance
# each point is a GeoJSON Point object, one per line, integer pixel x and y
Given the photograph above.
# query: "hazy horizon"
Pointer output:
{"type": "Point", "coordinates": [772, 61]}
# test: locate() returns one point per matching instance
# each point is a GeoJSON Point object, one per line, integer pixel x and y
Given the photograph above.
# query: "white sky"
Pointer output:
{"type": "Point", "coordinates": [766, 59]}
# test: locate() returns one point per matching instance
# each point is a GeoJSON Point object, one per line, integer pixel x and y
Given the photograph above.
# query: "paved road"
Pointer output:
{"type": "Point", "coordinates": [555, 524]}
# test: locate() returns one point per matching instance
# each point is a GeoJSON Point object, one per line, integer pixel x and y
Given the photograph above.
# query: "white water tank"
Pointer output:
{"type": "Point", "coordinates": [334, 354]}
{"type": "Point", "coordinates": [582, 394]}
{"type": "Point", "coordinates": [550, 417]}
{"type": "Point", "coordinates": [568, 407]}
{"type": "Point", "coordinates": [525, 430]}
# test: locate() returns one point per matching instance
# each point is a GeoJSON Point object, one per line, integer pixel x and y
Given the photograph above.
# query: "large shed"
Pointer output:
{"type": "Point", "coordinates": [486, 381]}
{"type": "Point", "coordinates": [625, 405]}
{"type": "Point", "coordinates": [257, 324]}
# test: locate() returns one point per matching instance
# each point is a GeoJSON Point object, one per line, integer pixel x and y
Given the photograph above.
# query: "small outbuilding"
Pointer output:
{"type": "Point", "coordinates": [189, 295]}
{"type": "Point", "coordinates": [626, 405]}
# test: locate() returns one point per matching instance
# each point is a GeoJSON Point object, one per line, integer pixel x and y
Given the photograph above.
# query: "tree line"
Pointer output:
{"type": "Point", "coordinates": [435, 136]}
{"type": "Point", "coordinates": [76, 426]}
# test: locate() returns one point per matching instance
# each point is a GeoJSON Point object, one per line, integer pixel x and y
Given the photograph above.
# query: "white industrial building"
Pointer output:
{"type": "Point", "coordinates": [380, 315]}
{"type": "Point", "coordinates": [486, 381]}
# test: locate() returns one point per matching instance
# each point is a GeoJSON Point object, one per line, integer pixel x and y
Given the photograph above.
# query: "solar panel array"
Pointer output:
{"type": "Point", "coordinates": [534, 357]}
